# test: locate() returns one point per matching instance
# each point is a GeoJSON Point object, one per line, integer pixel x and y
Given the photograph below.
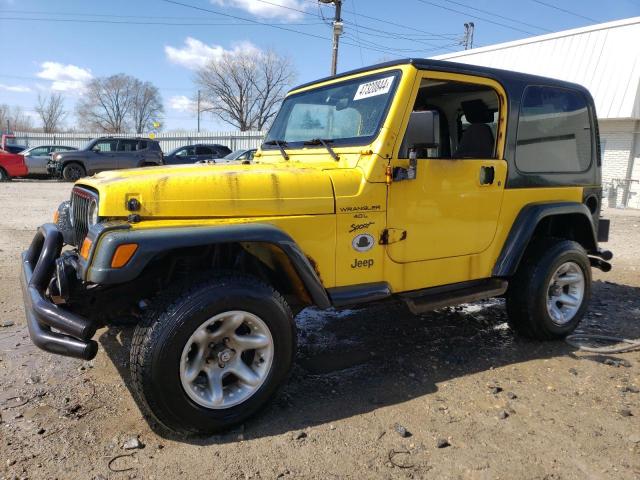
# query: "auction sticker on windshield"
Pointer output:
{"type": "Point", "coordinates": [371, 89]}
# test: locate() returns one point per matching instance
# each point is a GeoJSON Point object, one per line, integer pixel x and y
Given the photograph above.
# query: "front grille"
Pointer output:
{"type": "Point", "coordinates": [80, 201]}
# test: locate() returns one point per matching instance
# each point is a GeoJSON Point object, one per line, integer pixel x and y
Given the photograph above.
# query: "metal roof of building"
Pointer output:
{"type": "Point", "coordinates": [605, 58]}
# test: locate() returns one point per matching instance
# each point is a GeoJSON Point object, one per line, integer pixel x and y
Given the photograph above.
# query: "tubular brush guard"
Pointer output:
{"type": "Point", "coordinates": [52, 328]}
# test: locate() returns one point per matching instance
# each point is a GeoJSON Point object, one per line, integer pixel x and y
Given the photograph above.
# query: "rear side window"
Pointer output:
{"type": "Point", "coordinates": [142, 144]}
{"type": "Point", "coordinates": [554, 131]}
{"type": "Point", "coordinates": [204, 151]}
{"type": "Point", "coordinates": [127, 145]}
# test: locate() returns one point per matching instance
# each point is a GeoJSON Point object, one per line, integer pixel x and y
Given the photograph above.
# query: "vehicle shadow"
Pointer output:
{"type": "Point", "coordinates": [354, 361]}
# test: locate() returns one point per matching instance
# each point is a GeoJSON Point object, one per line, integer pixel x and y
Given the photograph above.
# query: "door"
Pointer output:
{"type": "Point", "coordinates": [449, 204]}
{"type": "Point", "coordinates": [36, 160]}
{"type": "Point", "coordinates": [128, 155]}
{"type": "Point", "coordinates": [102, 156]}
{"type": "Point", "coordinates": [205, 153]}
{"type": "Point", "coordinates": [185, 155]}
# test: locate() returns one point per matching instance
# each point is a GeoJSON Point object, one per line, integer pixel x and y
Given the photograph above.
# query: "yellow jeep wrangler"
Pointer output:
{"type": "Point", "coordinates": [433, 182]}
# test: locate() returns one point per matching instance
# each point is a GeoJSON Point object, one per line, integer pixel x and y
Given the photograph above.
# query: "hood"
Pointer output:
{"type": "Point", "coordinates": [205, 190]}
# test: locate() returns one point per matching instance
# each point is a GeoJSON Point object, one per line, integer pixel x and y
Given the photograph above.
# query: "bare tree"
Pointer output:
{"type": "Point", "coordinates": [51, 112]}
{"type": "Point", "coordinates": [147, 105]}
{"type": "Point", "coordinates": [106, 103]}
{"type": "Point", "coordinates": [15, 119]}
{"type": "Point", "coordinates": [245, 89]}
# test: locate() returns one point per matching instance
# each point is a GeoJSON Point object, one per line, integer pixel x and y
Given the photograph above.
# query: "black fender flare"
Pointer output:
{"type": "Point", "coordinates": [525, 225]}
{"type": "Point", "coordinates": [154, 241]}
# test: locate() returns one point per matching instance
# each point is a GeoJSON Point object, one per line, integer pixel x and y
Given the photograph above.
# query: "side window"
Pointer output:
{"type": "Point", "coordinates": [127, 145]}
{"type": "Point", "coordinates": [452, 119]}
{"type": "Point", "coordinates": [142, 145]}
{"type": "Point", "coordinates": [186, 152]}
{"type": "Point", "coordinates": [204, 151]}
{"type": "Point", "coordinates": [40, 151]}
{"type": "Point", "coordinates": [105, 146]}
{"type": "Point", "coordinates": [554, 131]}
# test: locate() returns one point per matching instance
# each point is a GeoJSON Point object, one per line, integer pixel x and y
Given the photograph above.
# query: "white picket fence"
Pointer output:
{"type": "Point", "coordinates": [168, 141]}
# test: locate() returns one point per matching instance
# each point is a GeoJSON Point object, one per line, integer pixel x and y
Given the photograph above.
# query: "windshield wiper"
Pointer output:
{"type": "Point", "coordinates": [325, 144]}
{"type": "Point", "coordinates": [280, 144]}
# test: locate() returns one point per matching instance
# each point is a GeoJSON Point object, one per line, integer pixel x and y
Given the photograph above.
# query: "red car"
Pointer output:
{"type": "Point", "coordinates": [11, 165]}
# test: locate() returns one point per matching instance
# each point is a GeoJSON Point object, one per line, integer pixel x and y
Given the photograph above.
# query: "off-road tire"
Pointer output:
{"type": "Point", "coordinates": [168, 323]}
{"type": "Point", "coordinates": [4, 177]}
{"type": "Point", "coordinates": [528, 289]}
{"type": "Point", "coordinates": [73, 171]}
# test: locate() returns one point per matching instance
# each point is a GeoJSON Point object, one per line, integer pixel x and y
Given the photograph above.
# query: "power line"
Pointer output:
{"type": "Point", "coordinates": [499, 16]}
{"type": "Point", "coordinates": [129, 22]}
{"type": "Point", "coordinates": [566, 11]}
{"type": "Point", "coordinates": [279, 26]}
{"type": "Point", "coordinates": [357, 33]}
{"type": "Point", "coordinates": [388, 22]}
{"type": "Point", "coordinates": [76, 14]}
{"type": "Point", "coordinates": [477, 17]}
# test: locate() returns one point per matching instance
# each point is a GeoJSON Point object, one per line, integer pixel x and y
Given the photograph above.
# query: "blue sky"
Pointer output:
{"type": "Point", "coordinates": [59, 45]}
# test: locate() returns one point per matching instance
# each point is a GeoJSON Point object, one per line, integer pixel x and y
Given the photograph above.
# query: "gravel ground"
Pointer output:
{"type": "Point", "coordinates": [375, 393]}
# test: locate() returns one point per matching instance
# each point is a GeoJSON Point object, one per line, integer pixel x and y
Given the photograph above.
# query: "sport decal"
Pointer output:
{"type": "Point", "coordinates": [363, 242]}
{"type": "Point", "coordinates": [360, 226]}
{"type": "Point", "coordinates": [371, 89]}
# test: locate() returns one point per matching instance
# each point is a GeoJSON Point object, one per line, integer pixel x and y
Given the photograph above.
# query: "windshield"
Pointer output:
{"type": "Point", "coordinates": [233, 155]}
{"type": "Point", "coordinates": [345, 113]}
{"type": "Point", "coordinates": [173, 152]}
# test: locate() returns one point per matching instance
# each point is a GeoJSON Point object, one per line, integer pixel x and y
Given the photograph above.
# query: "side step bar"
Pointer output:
{"type": "Point", "coordinates": [420, 301]}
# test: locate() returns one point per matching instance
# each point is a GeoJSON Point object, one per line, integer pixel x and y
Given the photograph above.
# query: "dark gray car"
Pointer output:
{"type": "Point", "coordinates": [38, 157]}
{"type": "Point", "coordinates": [196, 153]}
{"type": "Point", "coordinates": [106, 153]}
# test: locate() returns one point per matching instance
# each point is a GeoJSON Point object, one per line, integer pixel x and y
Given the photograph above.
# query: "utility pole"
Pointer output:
{"type": "Point", "coordinates": [467, 39]}
{"type": "Point", "coordinates": [338, 28]}
{"type": "Point", "coordinates": [198, 111]}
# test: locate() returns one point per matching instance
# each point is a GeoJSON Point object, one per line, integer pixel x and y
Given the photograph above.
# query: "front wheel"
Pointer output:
{"type": "Point", "coordinates": [73, 171]}
{"type": "Point", "coordinates": [4, 177]}
{"type": "Point", "coordinates": [209, 356]}
{"type": "Point", "coordinates": [550, 292]}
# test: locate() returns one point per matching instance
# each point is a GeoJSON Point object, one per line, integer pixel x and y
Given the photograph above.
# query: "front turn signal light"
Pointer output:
{"type": "Point", "coordinates": [86, 248]}
{"type": "Point", "coordinates": [56, 216]}
{"type": "Point", "coordinates": [123, 254]}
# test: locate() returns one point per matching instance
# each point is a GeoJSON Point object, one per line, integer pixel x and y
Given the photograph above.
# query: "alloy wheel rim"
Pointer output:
{"type": "Point", "coordinates": [565, 293]}
{"type": "Point", "coordinates": [75, 173]}
{"type": "Point", "coordinates": [226, 359]}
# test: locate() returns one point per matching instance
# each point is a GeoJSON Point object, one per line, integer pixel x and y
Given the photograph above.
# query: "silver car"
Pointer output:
{"type": "Point", "coordinates": [36, 158]}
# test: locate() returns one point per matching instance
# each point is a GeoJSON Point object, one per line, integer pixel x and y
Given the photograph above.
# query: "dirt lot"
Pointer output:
{"type": "Point", "coordinates": [509, 408]}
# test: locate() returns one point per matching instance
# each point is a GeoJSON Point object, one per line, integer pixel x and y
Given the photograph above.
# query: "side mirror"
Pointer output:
{"type": "Point", "coordinates": [423, 132]}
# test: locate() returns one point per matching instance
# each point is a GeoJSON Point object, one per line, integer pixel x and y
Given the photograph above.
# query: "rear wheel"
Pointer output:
{"type": "Point", "coordinates": [208, 356]}
{"type": "Point", "coordinates": [550, 293]}
{"type": "Point", "coordinates": [73, 171]}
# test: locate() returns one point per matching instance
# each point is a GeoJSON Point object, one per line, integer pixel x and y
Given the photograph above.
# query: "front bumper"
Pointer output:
{"type": "Point", "coordinates": [51, 327]}
{"type": "Point", "coordinates": [53, 168]}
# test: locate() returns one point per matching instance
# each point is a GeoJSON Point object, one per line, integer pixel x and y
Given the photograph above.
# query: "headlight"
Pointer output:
{"type": "Point", "coordinates": [93, 213]}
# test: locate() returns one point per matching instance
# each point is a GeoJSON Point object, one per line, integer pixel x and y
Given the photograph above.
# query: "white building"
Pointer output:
{"type": "Point", "coordinates": [605, 58]}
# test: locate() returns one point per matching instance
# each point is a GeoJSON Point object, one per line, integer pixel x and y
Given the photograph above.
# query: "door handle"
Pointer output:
{"type": "Point", "coordinates": [487, 175]}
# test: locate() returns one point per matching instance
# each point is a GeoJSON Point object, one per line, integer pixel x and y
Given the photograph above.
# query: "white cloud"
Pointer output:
{"type": "Point", "coordinates": [15, 88]}
{"type": "Point", "coordinates": [64, 77]}
{"type": "Point", "coordinates": [196, 54]}
{"type": "Point", "coordinates": [182, 103]}
{"type": "Point", "coordinates": [286, 9]}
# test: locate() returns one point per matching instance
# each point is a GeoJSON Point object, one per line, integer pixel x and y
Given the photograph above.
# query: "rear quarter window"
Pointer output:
{"type": "Point", "coordinates": [554, 131]}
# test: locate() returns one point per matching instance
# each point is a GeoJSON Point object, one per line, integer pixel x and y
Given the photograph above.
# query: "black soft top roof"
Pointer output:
{"type": "Point", "coordinates": [502, 76]}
